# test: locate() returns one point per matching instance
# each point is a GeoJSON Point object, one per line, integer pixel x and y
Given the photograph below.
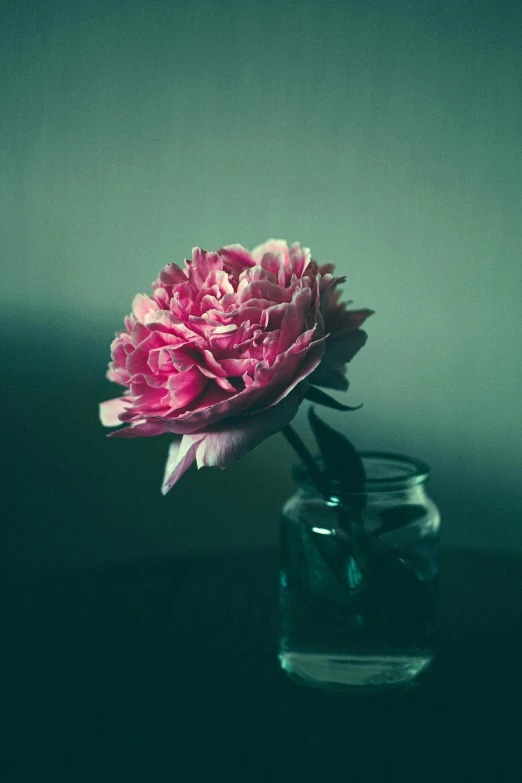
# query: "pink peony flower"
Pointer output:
{"type": "Point", "coordinates": [224, 351]}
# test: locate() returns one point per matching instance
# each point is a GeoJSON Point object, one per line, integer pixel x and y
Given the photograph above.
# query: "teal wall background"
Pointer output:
{"type": "Point", "coordinates": [386, 136]}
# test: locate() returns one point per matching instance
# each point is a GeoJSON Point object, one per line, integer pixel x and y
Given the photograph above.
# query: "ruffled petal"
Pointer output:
{"type": "Point", "coordinates": [172, 274]}
{"type": "Point", "coordinates": [143, 307]}
{"type": "Point", "coordinates": [271, 246]}
{"type": "Point", "coordinates": [203, 263]}
{"type": "Point", "coordinates": [233, 338]}
{"type": "Point", "coordinates": [236, 258]}
{"type": "Point", "coordinates": [293, 322]}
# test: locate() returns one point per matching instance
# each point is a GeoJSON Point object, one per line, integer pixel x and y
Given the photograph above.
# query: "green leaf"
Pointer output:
{"type": "Point", "coordinates": [321, 398]}
{"type": "Point", "coordinates": [342, 463]}
{"type": "Point", "coordinates": [331, 584]}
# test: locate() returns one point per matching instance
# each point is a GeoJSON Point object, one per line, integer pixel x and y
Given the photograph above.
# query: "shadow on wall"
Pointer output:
{"type": "Point", "coordinates": [77, 498]}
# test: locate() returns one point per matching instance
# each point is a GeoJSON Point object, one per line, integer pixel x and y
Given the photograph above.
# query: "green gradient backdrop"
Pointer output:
{"type": "Point", "coordinates": [385, 136]}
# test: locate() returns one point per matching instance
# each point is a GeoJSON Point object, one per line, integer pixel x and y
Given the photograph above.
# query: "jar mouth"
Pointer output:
{"type": "Point", "coordinates": [384, 467]}
{"type": "Point", "coordinates": [385, 472]}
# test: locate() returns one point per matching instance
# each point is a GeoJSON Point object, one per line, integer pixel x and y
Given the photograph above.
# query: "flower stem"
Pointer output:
{"type": "Point", "coordinates": [309, 462]}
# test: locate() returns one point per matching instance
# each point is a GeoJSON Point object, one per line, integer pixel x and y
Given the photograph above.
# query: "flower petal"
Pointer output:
{"type": "Point", "coordinates": [270, 246]}
{"type": "Point", "coordinates": [140, 429]}
{"type": "Point", "coordinates": [111, 409]}
{"type": "Point", "coordinates": [236, 258]}
{"type": "Point", "coordinates": [182, 453]}
{"type": "Point", "coordinates": [185, 387]}
{"type": "Point", "coordinates": [293, 323]}
{"type": "Point", "coordinates": [229, 440]}
{"type": "Point", "coordinates": [203, 263]}
{"type": "Point", "coordinates": [172, 274]}
{"type": "Point", "coordinates": [143, 307]}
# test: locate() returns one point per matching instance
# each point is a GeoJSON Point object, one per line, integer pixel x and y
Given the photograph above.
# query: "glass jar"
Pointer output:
{"type": "Point", "coordinates": [358, 573]}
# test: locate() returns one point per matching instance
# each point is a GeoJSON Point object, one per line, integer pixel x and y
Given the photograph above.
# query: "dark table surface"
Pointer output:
{"type": "Point", "coordinates": [168, 672]}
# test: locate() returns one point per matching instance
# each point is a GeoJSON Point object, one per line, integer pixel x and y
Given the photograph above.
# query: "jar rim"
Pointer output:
{"type": "Point", "coordinates": [416, 471]}
{"type": "Point", "coordinates": [409, 472]}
